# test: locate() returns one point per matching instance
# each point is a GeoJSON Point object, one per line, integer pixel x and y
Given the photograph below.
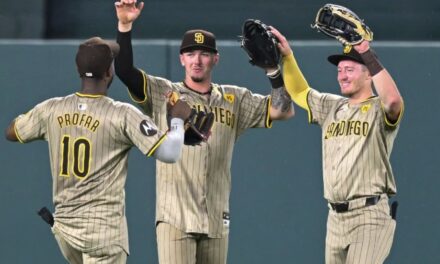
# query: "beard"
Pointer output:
{"type": "Point", "coordinates": [197, 79]}
{"type": "Point", "coordinates": [346, 93]}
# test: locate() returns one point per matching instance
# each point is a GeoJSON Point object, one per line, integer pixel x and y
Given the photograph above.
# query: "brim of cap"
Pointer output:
{"type": "Point", "coordinates": [197, 47]}
{"type": "Point", "coordinates": [335, 59]}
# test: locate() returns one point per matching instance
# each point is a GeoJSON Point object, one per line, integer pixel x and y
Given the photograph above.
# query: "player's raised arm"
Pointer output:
{"type": "Point", "coordinates": [260, 44]}
{"type": "Point", "coordinates": [281, 103]}
{"type": "Point", "coordinates": [127, 12]}
{"type": "Point", "coordinates": [294, 81]}
{"type": "Point", "coordinates": [384, 84]}
{"type": "Point", "coordinates": [281, 107]}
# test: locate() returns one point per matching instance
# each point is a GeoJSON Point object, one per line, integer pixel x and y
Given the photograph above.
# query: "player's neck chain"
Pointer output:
{"type": "Point", "coordinates": [205, 93]}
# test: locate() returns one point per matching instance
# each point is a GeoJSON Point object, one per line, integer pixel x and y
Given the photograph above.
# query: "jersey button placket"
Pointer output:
{"type": "Point", "coordinates": [205, 186]}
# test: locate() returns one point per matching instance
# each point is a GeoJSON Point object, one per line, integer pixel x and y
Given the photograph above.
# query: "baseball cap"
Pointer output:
{"type": "Point", "coordinates": [198, 39]}
{"type": "Point", "coordinates": [353, 55]}
{"type": "Point", "coordinates": [95, 56]}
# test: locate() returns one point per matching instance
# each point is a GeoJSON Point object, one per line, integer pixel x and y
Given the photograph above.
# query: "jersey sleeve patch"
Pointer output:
{"type": "Point", "coordinates": [147, 129]}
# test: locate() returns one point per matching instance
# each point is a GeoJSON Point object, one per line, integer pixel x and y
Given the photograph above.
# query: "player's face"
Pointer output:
{"type": "Point", "coordinates": [198, 64]}
{"type": "Point", "coordinates": [353, 78]}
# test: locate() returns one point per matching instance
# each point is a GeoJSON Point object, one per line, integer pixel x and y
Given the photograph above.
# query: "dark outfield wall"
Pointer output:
{"type": "Point", "coordinates": [390, 20]}
{"type": "Point", "coordinates": [278, 213]}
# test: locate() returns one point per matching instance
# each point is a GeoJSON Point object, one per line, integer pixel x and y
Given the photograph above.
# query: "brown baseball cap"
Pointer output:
{"type": "Point", "coordinates": [353, 55]}
{"type": "Point", "coordinates": [198, 39]}
{"type": "Point", "coordinates": [95, 56]}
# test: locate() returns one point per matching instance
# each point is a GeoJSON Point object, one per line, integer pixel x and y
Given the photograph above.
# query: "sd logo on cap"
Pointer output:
{"type": "Point", "coordinates": [198, 39]}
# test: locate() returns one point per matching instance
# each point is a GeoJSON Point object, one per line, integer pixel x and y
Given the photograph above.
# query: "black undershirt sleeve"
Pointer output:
{"type": "Point", "coordinates": [124, 68]}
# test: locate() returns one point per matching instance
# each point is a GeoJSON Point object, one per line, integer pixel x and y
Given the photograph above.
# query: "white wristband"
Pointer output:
{"type": "Point", "coordinates": [274, 73]}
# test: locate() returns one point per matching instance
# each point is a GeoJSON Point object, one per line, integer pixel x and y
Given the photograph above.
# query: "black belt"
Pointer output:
{"type": "Point", "coordinates": [343, 207]}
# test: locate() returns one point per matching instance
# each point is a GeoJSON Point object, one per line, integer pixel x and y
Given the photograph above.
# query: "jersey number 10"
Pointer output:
{"type": "Point", "coordinates": [81, 150]}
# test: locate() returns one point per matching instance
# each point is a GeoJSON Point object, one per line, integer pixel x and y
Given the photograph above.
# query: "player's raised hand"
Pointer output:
{"type": "Point", "coordinates": [362, 47]}
{"type": "Point", "coordinates": [128, 11]}
{"type": "Point", "coordinates": [283, 44]}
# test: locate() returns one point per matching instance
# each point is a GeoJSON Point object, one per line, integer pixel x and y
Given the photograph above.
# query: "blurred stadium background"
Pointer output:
{"type": "Point", "coordinates": [278, 213]}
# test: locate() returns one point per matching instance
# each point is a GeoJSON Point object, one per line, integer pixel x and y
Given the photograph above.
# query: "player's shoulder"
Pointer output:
{"type": "Point", "coordinates": [61, 98]}
{"type": "Point", "coordinates": [159, 81]}
{"type": "Point", "coordinates": [55, 100]}
{"type": "Point", "coordinates": [124, 106]}
{"type": "Point", "coordinates": [330, 97]}
{"type": "Point", "coordinates": [374, 102]}
{"type": "Point", "coordinates": [230, 88]}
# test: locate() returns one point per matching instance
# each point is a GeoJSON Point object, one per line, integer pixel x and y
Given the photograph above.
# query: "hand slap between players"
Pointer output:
{"type": "Point", "coordinates": [283, 44]}
{"type": "Point", "coordinates": [198, 124]}
{"type": "Point", "coordinates": [177, 108]}
{"type": "Point", "coordinates": [198, 128]}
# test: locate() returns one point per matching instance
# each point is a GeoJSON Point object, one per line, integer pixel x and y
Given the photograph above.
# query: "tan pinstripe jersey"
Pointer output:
{"type": "Point", "coordinates": [193, 194]}
{"type": "Point", "coordinates": [89, 139]}
{"type": "Point", "coordinates": [357, 141]}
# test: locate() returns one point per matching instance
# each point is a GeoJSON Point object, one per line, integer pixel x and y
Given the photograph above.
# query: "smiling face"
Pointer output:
{"type": "Point", "coordinates": [354, 79]}
{"type": "Point", "coordinates": [198, 65]}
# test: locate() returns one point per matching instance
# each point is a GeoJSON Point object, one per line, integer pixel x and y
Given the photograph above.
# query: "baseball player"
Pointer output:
{"type": "Point", "coordinates": [192, 203]}
{"type": "Point", "coordinates": [89, 137]}
{"type": "Point", "coordinates": [358, 131]}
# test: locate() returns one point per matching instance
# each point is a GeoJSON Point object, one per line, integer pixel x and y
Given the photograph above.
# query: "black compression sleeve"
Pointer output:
{"type": "Point", "coordinates": [124, 68]}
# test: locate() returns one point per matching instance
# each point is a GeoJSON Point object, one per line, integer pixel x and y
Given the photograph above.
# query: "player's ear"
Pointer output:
{"type": "Point", "coordinates": [181, 60]}
{"type": "Point", "coordinates": [110, 71]}
{"type": "Point", "coordinates": [368, 74]}
{"type": "Point", "coordinates": [216, 58]}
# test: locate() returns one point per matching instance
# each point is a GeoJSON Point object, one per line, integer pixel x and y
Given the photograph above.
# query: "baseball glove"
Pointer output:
{"type": "Point", "coordinates": [198, 124]}
{"type": "Point", "coordinates": [342, 24]}
{"type": "Point", "coordinates": [198, 127]}
{"type": "Point", "coordinates": [260, 44]}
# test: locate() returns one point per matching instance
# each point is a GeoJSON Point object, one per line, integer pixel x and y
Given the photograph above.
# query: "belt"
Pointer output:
{"type": "Point", "coordinates": [358, 203]}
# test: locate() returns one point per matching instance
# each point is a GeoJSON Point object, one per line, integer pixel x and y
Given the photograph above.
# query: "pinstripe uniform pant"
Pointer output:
{"type": "Point", "coordinates": [177, 247]}
{"type": "Point", "coordinates": [360, 236]}
{"type": "Point", "coordinates": [108, 255]}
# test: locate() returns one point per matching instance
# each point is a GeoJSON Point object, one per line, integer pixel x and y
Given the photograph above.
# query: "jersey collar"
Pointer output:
{"type": "Point", "coordinates": [89, 95]}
